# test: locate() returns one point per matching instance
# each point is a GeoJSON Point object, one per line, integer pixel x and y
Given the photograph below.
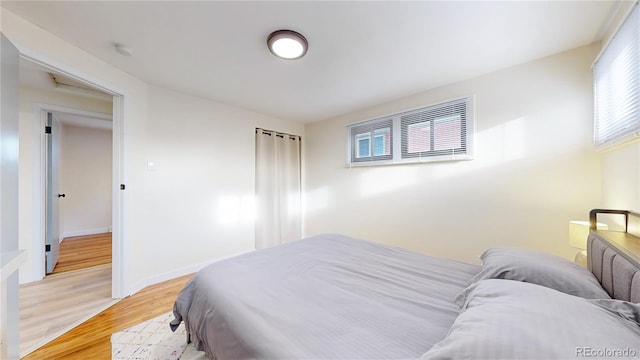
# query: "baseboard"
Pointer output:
{"type": "Point", "coordinates": [85, 232]}
{"type": "Point", "coordinates": [152, 280]}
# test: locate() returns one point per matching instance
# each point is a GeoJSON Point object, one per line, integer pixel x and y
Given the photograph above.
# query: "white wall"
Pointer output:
{"type": "Point", "coordinates": [31, 185]}
{"type": "Point", "coordinates": [621, 177]}
{"type": "Point", "coordinates": [200, 189]}
{"type": "Point", "coordinates": [534, 168]}
{"type": "Point", "coordinates": [203, 151]}
{"type": "Point", "coordinates": [85, 179]}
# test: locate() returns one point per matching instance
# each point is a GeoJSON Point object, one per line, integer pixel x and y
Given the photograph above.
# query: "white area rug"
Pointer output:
{"type": "Point", "coordinates": [153, 339]}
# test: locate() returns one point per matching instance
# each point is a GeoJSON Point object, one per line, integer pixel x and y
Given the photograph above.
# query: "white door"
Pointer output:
{"type": "Point", "coordinates": [53, 196]}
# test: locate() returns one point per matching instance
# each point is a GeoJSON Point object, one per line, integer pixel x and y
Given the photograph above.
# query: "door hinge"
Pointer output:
{"type": "Point", "coordinates": [47, 248]}
{"type": "Point", "coordinates": [47, 129]}
{"type": "Point", "coordinates": [122, 186]}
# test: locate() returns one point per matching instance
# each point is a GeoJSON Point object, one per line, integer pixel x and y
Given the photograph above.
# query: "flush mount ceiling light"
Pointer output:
{"type": "Point", "coordinates": [287, 44]}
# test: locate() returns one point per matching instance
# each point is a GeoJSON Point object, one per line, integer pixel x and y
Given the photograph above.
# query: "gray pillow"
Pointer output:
{"type": "Point", "coordinates": [504, 319]}
{"type": "Point", "coordinates": [539, 268]}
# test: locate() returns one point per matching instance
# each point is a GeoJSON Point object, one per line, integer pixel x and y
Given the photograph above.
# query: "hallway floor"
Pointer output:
{"type": "Point", "coordinates": [79, 288]}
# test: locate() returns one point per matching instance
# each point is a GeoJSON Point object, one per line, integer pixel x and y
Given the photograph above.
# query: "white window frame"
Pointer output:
{"type": "Point", "coordinates": [396, 132]}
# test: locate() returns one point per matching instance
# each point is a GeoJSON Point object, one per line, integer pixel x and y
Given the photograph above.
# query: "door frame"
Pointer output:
{"type": "Point", "coordinates": [40, 111]}
{"type": "Point", "coordinates": [120, 268]}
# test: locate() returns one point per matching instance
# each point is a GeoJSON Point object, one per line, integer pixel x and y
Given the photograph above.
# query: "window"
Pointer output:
{"type": "Point", "coordinates": [435, 130]}
{"type": "Point", "coordinates": [434, 133]}
{"type": "Point", "coordinates": [371, 141]}
{"type": "Point", "coordinates": [616, 86]}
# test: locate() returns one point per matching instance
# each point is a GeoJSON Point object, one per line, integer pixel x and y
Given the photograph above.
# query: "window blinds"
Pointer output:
{"type": "Point", "coordinates": [372, 140]}
{"type": "Point", "coordinates": [616, 76]}
{"type": "Point", "coordinates": [435, 130]}
{"type": "Point", "coordinates": [439, 132]}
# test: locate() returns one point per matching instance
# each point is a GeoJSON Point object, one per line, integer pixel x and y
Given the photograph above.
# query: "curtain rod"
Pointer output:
{"type": "Point", "coordinates": [278, 134]}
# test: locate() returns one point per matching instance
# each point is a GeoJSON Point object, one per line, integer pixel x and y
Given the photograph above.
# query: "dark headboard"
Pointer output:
{"type": "Point", "coordinates": [614, 256]}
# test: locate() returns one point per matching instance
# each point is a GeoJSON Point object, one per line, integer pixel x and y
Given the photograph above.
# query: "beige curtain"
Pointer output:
{"type": "Point", "coordinates": [278, 188]}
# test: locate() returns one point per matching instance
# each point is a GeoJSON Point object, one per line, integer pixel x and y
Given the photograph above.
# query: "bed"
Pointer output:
{"type": "Point", "coordinates": [335, 297]}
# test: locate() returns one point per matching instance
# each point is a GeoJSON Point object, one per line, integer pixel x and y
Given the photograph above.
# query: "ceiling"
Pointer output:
{"type": "Point", "coordinates": [36, 76]}
{"type": "Point", "coordinates": [360, 53]}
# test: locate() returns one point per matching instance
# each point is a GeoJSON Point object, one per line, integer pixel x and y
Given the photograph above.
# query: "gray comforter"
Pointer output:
{"type": "Point", "coordinates": [324, 297]}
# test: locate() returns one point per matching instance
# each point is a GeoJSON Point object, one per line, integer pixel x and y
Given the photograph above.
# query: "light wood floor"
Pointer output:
{"type": "Point", "coordinates": [84, 251]}
{"type": "Point", "coordinates": [92, 338]}
{"type": "Point", "coordinates": [79, 288]}
{"type": "Point", "coordinates": [58, 302]}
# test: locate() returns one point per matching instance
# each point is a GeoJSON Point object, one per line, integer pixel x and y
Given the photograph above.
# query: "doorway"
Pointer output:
{"type": "Point", "coordinates": [69, 131]}
{"type": "Point", "coordinates": [78, 185]}
{"type": "Point", "coordinates": [37, 213]}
